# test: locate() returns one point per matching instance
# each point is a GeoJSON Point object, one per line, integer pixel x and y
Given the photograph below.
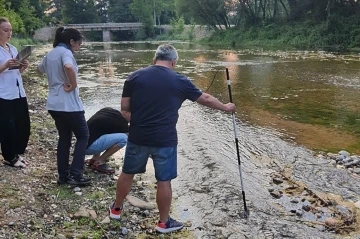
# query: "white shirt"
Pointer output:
{"type": "Point", "coordinates": [11, 84]}
{"type": "Point", "coordinates": [53, 65]}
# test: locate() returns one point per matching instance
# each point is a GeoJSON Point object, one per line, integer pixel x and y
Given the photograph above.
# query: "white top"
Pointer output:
{"type": "Point", "coordinates": [11, 84]}
{"type": "Point", "coordinates": [53, 65]}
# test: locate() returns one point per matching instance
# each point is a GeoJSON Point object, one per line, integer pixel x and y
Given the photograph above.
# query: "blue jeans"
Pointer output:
{"type": "Point", "coordinates": [105, 142]}
{"type": "Point", "coordinates": [164, 160]}
{"type": "Point", "coordinates": [67, 123]}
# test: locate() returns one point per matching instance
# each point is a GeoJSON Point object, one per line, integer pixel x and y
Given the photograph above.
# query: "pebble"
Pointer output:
{"type": "Point", "coordinates": [332, 222]}
{"type": "Point", "coordinates": [299, 212]}
{"type": "Point", "coordinates": [357, 204]}
{"type": "Point", "coordinates": [276, 194]}
{"type": "Point", "coordinates": [61, 236]}
{"type": "Point", "coordinates": [295, 200]}
{"type": "Point", "coordinates": [77, 189]}
{"type": "Point", "coordinates": [278, 180]}
{"type": "Point", "coordinates": [11, 223]}
{"type": "Point", "coordinates": [306, 208]}
{"type": "Point", "coordinates": [78, 193]}
{"type": "Point", "coordinates": [124, 231]}
{"type": "Point", "coordinates": [357, 170]}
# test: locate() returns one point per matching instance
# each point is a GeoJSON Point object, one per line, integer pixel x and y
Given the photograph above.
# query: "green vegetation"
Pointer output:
{"type": "Point", "coordinates": [20, 42]}
{"type": "Point", "coordinates": [341, 33]}
{"type": "Point", "coordinates": [251, 23]}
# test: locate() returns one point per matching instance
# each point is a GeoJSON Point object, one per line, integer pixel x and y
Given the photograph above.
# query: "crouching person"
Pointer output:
{"type": "Point", "coordinates": [108, 133]}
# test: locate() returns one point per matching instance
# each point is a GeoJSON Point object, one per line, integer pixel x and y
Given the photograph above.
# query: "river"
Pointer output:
{"type": "Point", "coordinates": [290, 106]}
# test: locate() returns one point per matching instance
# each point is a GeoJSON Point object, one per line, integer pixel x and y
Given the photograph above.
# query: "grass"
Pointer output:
{"type": "Point", "coordinates": [336, 33]}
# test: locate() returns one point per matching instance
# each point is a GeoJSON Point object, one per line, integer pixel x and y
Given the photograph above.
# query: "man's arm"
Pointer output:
{"type": "Point", "coordinates": [125, 108]}
{"type": "Point", "coordinates": [211, 102]}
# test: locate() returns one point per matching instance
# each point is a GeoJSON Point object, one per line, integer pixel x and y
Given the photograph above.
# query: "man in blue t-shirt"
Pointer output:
{"type": "Point", "coordinates": [152, 97]}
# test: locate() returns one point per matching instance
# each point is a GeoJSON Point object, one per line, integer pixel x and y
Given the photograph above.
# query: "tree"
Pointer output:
{"type": "Point", "coordinates": [214, 13]}
{"type": "Point", "coordinates": [29, 18]}
{"type": "Point", "coordinates": [16, 22]}
{"type": "Point", "coordinates": [76, 11]}
{"type": "Point", "coordinates": [119, 11]}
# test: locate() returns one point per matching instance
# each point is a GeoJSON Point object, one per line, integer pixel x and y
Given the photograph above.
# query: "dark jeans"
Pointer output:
{"type": "Point", "coordinates": [67, 123]}
{"type": "Point", "coordinates": [14, 127]}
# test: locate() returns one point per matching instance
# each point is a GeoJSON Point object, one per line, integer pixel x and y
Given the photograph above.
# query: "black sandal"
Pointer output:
{"type": "Point", "coordinates": [16, 163]}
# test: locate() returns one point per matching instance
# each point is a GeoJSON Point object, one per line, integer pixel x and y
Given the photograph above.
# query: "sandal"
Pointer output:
{"type": "Point", "coordinates": [103, 168]}
{"type": "Point", "coordinates": [21, 159]}
{"type": "Point", "coordinates": [16, 163]}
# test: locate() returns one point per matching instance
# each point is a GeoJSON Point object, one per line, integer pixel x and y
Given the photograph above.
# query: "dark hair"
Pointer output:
{"type": "Point", "coordinates": [3, 19]}
{"type": "Point", "coordinates": [64, 35]}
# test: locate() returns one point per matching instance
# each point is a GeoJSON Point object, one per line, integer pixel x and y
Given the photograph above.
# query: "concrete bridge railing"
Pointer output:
{"type": "Point", "coordinates": [106, 28]}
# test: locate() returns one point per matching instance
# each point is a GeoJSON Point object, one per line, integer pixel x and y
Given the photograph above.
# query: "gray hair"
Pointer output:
{"type": "Point", "coordinates": [166, 53]}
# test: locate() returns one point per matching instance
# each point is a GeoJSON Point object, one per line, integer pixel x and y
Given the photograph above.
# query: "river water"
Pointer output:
{"type": "Point", "coordinates": [289, 106]}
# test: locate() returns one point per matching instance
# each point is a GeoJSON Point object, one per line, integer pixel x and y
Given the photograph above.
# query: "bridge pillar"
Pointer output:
{"type": "Point", "coordinates": [106, 35]}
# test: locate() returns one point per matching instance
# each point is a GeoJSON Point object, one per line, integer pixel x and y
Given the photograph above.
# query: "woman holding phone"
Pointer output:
{"type": "Point", "coordinates": [14, 111]}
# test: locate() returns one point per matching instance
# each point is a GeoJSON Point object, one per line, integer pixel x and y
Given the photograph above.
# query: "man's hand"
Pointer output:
{"type": "Point", "coordinates": [230, 107]}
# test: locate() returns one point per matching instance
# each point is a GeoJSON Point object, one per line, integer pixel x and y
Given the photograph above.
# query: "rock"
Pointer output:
{"type": "Point", "coordinates": [299, 212]}
{"type": "Point", "coordinates": [78, 193]}
{"type": "Point", "coordinates": [357, 204]}
{"type": "Point", "coordinates": [350, 170]}
{"type": "Point", "coordinates": [83, 212]}
{"type": "Point", "coordinates": [105, 221]}
{"type": "Point", "coordinates": [277, 180]}
{"type": "Point", "coordinates": [343, 211]}
{"type": "Point", "coordinates": [344, 153]}
{"type": "Point", "coordinates": [306, 208]}
{"type": "Point", "coordinates": [332, 222]}
{"type": "Point", "coordinates": [333, 162]}
{"type": "Point", "coordinates": [77, 189]}
{"type": "Point", "coordinates": [270, 190]}
{"type": "Point", "coordinates": [124, 231]}
{"type": "Point", "coordinates": [136, 202]}
{"type": "Point", "coordinates": [11, 223]}
{"type": "Point", "coordinates": [276, 194]}
{"type": "Point", "coordinates": [61, 236]}
{"type": "Point", "coordinates": [357, 170]}
{"type": "Point", "coordinates": [295, 200]}
{"type": "Point", "coordinates": [92, 213]}
{"type": "Point", "coordinates": [340, 158]}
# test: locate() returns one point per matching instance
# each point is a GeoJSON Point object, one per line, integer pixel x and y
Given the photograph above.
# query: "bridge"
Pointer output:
{"type": "Point", "coordinates": [106, 28]}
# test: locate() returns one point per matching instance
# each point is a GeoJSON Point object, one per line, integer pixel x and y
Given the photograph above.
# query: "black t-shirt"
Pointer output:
{"type": "Point", "coordinates": [106, 121]}
{"type": "Point", "coordinates": [156, 94]}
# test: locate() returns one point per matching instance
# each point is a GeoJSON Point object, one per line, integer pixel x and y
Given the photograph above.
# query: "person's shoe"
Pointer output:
{"type": "Point", "coordinates": [170, 225]}
{"type": "Point", "coordinates": [78, 180]}
{"type": "Point", "coordinates": [62, 181]}
{"type": "Point", "coordinates": [102, 168]}
{"type": "Point", "coordinates": [114, 212]}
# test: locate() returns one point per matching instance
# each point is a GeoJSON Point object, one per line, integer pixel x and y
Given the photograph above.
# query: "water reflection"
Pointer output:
{"type": "Point", "coordinates": [312, 96]}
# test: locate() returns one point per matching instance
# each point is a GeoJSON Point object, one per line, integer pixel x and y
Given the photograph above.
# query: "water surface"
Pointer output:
{"type": "Point", "coordinates": [287, 104]}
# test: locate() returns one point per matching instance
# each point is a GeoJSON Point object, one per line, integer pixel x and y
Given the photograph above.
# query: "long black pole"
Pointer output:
{"type": "Point", "coordinates": [246, 213]}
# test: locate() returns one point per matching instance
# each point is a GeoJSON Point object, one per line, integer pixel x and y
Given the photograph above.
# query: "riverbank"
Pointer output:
{"type": "Point", "coordinates": [33, 206]}
{"type": "Point", "coordinates": [340, 35]}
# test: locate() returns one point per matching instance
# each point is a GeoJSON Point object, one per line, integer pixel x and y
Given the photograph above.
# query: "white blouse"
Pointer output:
{"type": "Point", "coordinates": [11, 84]}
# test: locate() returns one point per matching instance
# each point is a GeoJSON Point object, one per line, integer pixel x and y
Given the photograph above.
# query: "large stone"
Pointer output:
{"type": "Point", "coordinates": [136, 202]}
{"type": "Point", "coordinates": [83, 212]}
{"type": "Point", "coordinates": [105, 221]}
{"type": "Point", "coordinates": [332, 222]}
